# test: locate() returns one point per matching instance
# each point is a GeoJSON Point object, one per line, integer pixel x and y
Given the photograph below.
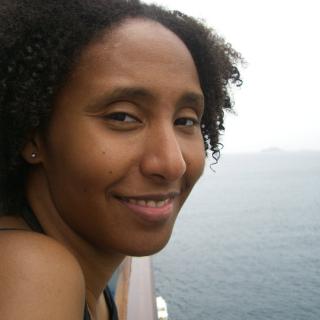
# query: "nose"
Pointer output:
{"type": "Point", "coordinates": [163, 157]}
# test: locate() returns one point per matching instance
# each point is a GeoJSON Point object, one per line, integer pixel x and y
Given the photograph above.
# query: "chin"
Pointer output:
{"type": "Point", "coordinates": [146, 247]}
{"type": "Point", "coordinates": [142, 252]}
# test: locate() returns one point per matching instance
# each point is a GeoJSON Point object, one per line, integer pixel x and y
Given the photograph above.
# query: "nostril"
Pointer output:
{"type": "Point", "coordinates": [159, 176]}
{"type": "Point", "coordinates": [163, 159]}
{"type": "Point", "coordinates": [161, 170]}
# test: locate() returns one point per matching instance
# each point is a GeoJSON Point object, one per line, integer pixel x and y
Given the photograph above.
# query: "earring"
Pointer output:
{"type": "Point", "coordinates": [33, 155]}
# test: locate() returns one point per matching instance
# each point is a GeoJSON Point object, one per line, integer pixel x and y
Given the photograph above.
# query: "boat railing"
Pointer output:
{"type": "Point", "coordinates": [135, 292]}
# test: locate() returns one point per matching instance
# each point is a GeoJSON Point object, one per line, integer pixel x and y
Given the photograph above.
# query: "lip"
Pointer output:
{"type": "Point", "coordinates": [152, 214]}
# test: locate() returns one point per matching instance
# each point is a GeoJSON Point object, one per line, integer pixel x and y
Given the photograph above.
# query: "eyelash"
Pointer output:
{"type": "Point", "coordinates": [194, 122]}
{"type": "Point", "coordinates": [121, 116]}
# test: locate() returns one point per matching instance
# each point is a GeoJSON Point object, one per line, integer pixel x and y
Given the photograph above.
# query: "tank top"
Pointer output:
{"type": "Point", "coordinates": [34, 224]}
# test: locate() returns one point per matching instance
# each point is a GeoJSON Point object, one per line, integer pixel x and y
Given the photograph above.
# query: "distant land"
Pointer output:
{"type": "Point", "coordinates": [272, 149]}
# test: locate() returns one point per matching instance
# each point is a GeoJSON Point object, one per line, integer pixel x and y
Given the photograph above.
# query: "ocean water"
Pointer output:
{"type": "Point", "coordinates": [247, 243]}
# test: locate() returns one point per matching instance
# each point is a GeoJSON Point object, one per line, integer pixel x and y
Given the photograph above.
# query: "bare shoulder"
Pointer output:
{"type": "Point", "coordinates": [40, 279]}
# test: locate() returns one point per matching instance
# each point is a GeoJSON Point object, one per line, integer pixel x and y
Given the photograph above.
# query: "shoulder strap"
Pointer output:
{"type": "Point", "coordinates": [10, 229]}
{"type": "Point", "coordinates": [31, 220]}
{"type": "Point", "coordinates": [86, 315]}
{"type": "Point", "coordinates": [111, 304]}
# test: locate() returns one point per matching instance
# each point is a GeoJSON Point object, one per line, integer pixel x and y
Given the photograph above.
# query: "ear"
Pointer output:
{"type": "Point", "coordinates": [32, 150]}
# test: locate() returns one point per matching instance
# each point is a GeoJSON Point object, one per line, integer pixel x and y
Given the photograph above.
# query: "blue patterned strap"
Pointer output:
{"type": "Point", "coordinates": [110, 303]}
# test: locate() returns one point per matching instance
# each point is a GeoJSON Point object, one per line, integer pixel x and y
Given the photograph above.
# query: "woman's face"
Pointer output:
{"type": "Point", "coordinates": [124, 145]}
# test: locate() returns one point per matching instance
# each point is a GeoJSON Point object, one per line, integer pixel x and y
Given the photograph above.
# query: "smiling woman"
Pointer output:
{"type": "Point", "coordinates": [107, 108]}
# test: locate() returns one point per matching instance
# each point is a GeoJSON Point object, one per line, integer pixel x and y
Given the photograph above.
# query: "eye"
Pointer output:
{"type": "Point", "coordinates": [121, 117]}
{"type": "Point", "coordinates": [186, 122]}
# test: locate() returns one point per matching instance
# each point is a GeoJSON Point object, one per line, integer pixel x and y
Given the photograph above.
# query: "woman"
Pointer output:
{"type": "Point", "coordinates": [107, 108]}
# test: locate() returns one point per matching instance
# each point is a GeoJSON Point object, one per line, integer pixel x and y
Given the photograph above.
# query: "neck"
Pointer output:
{"type": "Point", "coordinates": [98, 264]}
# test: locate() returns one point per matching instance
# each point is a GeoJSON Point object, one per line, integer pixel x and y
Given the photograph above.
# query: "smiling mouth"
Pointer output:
{"type": "Point", "coordinates": [147, 203]}
{"type": "Point", "coordinates": [151, 208]}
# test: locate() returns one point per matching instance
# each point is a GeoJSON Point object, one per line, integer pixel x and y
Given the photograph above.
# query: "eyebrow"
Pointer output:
{"type": "Point", "coordinates": [191, 99]}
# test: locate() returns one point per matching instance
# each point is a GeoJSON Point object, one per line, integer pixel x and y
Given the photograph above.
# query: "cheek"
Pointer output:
{"type": "Point", "coordinates": [195, 160]}
{"type": "Point", "coordinates": [92, 172]}
{"type": "Point", "coordinates": [197, 165]}
{"type": "Point", "coordinates": [84, 152]}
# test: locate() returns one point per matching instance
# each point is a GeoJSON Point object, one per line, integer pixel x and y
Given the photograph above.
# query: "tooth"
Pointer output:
{"type": "Point", "coordinates": [141, 202]}
{"type": "Point", "coordinates": [133, 201]}
{"type": "Point", "coordinates": [151, 203]}
{"type": "Point", "coordinates": [160, 203]}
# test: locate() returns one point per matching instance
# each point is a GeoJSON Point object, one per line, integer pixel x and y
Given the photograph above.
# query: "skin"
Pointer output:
{"type": "Point", "coordinates": [126, 126]}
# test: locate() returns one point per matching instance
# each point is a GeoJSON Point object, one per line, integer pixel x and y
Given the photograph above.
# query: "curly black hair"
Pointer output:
{"type": "Point", "coordinates": [40, 41]}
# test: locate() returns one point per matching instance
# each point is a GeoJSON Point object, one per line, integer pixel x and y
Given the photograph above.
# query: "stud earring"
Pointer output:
{"type": "Point", "coordinates": [33, 155]}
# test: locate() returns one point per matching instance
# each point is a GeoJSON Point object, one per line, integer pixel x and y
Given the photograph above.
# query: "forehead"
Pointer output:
{"type": "Point", "coordinates": [138, 53]}
{"type": "Point", "coordinates": [137, 42]}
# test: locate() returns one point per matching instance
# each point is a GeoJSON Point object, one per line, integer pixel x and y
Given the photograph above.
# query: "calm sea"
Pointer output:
{"type": "Point", "coordinates": [246, 245]}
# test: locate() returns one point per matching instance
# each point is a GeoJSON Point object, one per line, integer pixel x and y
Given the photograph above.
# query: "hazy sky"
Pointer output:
{"type": "Point", "coordinates": [278, 105]}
